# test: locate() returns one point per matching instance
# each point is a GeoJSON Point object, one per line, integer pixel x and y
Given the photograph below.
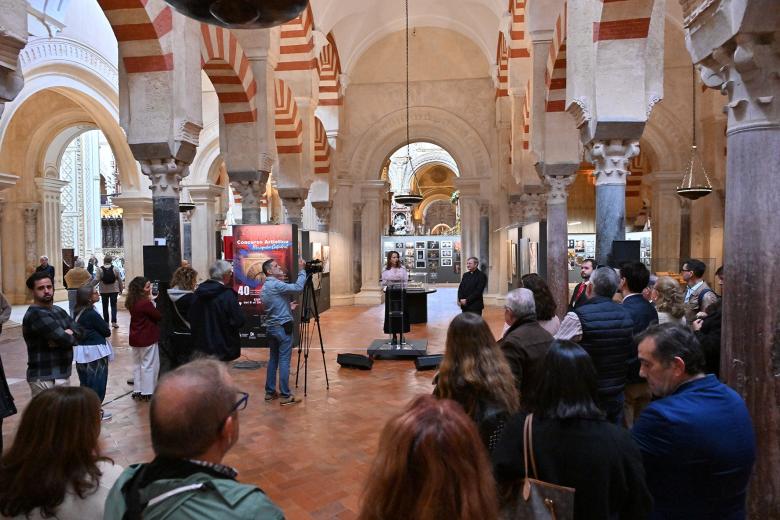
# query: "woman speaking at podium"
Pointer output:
{"type": "Point", "coordinates": [394, 279]}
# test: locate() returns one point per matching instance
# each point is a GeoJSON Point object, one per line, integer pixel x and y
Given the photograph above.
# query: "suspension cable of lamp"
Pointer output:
{"type": "Point", "coordinates": [411, 198]}
{"type": "Point", "coordinates": [687, 188]}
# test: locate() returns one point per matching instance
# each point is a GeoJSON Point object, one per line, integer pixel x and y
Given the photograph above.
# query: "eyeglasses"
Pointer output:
{"type": "Point", "coordinates": [240, 405]}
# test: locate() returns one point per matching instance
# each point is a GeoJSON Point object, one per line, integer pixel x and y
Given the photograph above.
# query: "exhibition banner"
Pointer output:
{"type": "Point", "coordinates": [253, 245]}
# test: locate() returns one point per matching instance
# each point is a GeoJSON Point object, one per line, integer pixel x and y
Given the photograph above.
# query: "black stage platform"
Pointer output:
{"type": "Point", "coordinates": [413, 348]}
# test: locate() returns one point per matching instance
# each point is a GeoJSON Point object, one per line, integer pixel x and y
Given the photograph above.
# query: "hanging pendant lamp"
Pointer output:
{"type": "Point", "coordinates": [240, 14]}
{"type": "Point", "coordinates": [411, 197]}
{"type": "Point", "coordinates": [185, 201]}
{"type": "Point", "coordinates": [695, 182]}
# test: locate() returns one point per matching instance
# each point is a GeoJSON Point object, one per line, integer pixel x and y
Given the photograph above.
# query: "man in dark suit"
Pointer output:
{"type": "Point", "coordinates": [580, 294]}
{"type": "Point", "coordinates": [634, 278]}
{"type": "Point", "coordinates": [472, 285]}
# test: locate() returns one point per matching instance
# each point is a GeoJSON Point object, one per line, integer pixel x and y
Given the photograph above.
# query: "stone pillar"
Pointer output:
{"type": "Point", "coordinates": [736, 44]}
{"type": "Point", "coordinates": [484, 239]}
{"type": "Point", "coordinates": [373, 192]}
{"type": "Point", "coordinates": [204, 247]}
{"type": "Point", "coordinates": [558, 177]}
{"type": "Point", "coordinates": [469, 229]}
{"type": "Point", "coordinates": [611, 159]}
{"type": "Point", "coordinates": [341, 245]}
{"type": "Point", "coordinates": [31, 236]}
{"type": "Point", "coordinates": [6, 181]}
{"type": "Point", "coordinates": [357, 246]}
{"type": "Point", "coordinates": [186, 236]}
{"type": "Point", "coordinates": [665, 220]}
{"type": "Point", "coordinates": [323, 208]}
{"type": "Point", "coordinates": [137, 219]}
{"type": "Point", "coordinates": [252, 192]}
{"type": "Point", "coordinates": [293, 200]}
{"type": "Point", "coordinates": [166, 176]}
{"type": "Point", "coordinates": [13, 37]}
{"type": "Point", "coordinates": [51, 217]}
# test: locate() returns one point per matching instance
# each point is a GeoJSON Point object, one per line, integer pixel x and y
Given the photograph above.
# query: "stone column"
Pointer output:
{"type": "Point", "coordinates": [30, 212]}
{"type": "Point", "coordinates": [469, 230]}
{"type": "Point", "coordinates": [51, 217]}
{"type": "Point", "coordinates": [341, 245]}
{"type": "Point", "coordinates": [736, 43]}
{"type": "Point", "coordinates": [558, 177]}
{"type": "Point", "coordinates": [293, 200]}
{"type": "Point", "coordinates": [373, 192]}
{"type": "Point", "coordinates": [204, 247]}
{"type": "Point", "coordinates": [323, 208]}
{"type": "Point", "coordinates": [484, 239]}
{"type": "Point", "coordinates": [252, 193]}
{"type": "Point", "coordinates": [6, 181]}
{"type": "Point", "coordinates": [186, 236]}
{"type": "Point", "coordinates": [137, 219]}
{"type": "Point", "coordinates": [357, 246]}
{"type": "Point", "coordinates": [665, 220]}
{"type": "Point", "coordinates": [611, 159]}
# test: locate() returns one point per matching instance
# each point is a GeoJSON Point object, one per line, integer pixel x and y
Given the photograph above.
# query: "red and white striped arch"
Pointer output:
{"type": "Point", "coordinates": [143, 30]}
{"type": "Point", "coordinates": [330, 74]}
{"type": "Point", "coordinates": [518, 45]}
{"type": "Point", "coordinates": [623, 19]}
{"type": "Point", "coordinates": [228, 68]}
{"type": "Point", "coordinates": [289, 127]}
{"type": "Point", "coordinates": [296, 43]}
{"type": "Point", "coordinates": [321, 148]}
{"type": "Point", "coordinates": [555, 76]}
{"type": "Point", "coordinates": [502, 64]}
{"type": "Point", "coordinates": [527, 117]}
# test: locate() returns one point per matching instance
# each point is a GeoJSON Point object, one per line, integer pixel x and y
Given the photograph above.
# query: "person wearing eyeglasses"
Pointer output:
{"type": "Point", "coordinates": [698, 295]}
{"type": "Point", "coordinates": [194, 420]}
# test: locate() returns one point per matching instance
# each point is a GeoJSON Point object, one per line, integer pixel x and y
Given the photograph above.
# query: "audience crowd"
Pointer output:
{"type": "Point", "coordinates": [619, 401]}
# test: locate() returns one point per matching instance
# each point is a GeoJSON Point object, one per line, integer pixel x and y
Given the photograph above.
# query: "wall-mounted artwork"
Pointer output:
{"type": "Point", "coordinates": [419, 245]}
{"type": "Point", "coordinates": [532, 256]}
{"type": "Point", "coordinates": [446, 262]}
{"type": "Point", "coordinates": [446, 252]}
{"type": "Point", "coordinates": [409, 244]}
{"type": "Point", "coordinates": [446, 244]}
{"type": "Point", "coordinates": [325, 259]}
{"type": "Point", "coordinates": [421, 264]}
{"type": "Point", "coordinates": [433, 255]}
{"type": "Point", "coordinates": [420, 254]}
{"type": "Point", "coordinates": [432, 244]}
{"type": "Point", "coordinates": [399, 245]}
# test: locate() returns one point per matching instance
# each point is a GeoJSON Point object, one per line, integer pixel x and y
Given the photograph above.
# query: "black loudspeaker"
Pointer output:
{"type": "Point", "coordinates": [355, 361]}
{"type": "Point", "coordinates": [156, 263]}
{"type": "Point", "coordinates": [624, 251]}
{"type": "Point", "coordinates": [428, 362]}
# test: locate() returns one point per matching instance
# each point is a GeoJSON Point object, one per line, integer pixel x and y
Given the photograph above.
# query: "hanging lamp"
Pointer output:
{"type": "Point", "coordinates": [185, 201]}
{"type": "Point", "coordinates": [410, 198]}
{"type": "Point", "coordinates": [240, 14]}
{"type": "Point", "coordinates": [692, 187]}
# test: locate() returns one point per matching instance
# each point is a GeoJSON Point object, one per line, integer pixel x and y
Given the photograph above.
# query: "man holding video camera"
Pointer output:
{"type": "Point", "coordinates": [278, 300]}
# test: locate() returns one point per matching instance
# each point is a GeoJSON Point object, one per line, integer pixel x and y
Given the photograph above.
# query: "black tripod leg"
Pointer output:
{"type": "Point", "coordinates": [301, 328]}
{"type": "Point", "coordinates": [322, 346]}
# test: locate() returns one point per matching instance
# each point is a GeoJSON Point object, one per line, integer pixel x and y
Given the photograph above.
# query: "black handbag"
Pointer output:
{"type": "Point", "coordinates": [541, 500]}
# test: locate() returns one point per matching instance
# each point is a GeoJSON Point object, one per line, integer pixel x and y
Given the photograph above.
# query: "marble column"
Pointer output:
{"type": "Point", "coordinates": [30, 214]}
{"type": "Point", "coordinates": [373, 193]}
{"type": "Point", "coordinates": [469, 230]}
{"type": "Point", "coordinates": [736, 44]}
{"type": "Point", "coordinates": [665, 220]}
{"type": "Point", "coordinates": [138, 226]}
{"type": "Point", "coordinates": [166, 176]}
{"type": "Point", "coordinates": [50, 218]}
{"type": "Point", "coordinates": [558, 178]}
{"type": "Point", "coordinates": [484, 238]}
{"type": "Point", "coordinates": [322, 209]}
{"type": "Point", "coordinates": [611, 159]}
{"type": "Point", "coordinates": [341, 245]}
{"type": "Point", "coordinates": [186, 236]}
{"type": "Point", "coordinates": [357, 246]}
{"type": "Point", "coordinates": [251, 186]}
{"type": "Point", "coordinates": [293, 200]}
{"type": "Point", "coordinates": [204, 217]}
{"type": "Point", "coordinates": [6, 181]}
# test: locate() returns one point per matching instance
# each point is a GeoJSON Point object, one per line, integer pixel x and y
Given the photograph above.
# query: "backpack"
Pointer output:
{"type": "Point", "coordinates": [109, 276]}
{"type": "Point", "coordinates": [701, 297]}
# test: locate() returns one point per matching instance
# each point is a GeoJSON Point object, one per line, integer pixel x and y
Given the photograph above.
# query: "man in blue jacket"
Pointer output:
{"type": "Point", "coordinates": [697, 441]}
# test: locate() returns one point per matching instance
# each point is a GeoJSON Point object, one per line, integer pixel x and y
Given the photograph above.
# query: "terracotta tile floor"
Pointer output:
{"type": "Point", "coordinates": [312, 459]}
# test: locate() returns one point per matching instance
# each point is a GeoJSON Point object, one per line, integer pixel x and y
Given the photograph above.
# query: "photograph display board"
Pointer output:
{"type": "Point", "coordinates": [253, 245]}
{"type": "Point", "coordinates": [438, 256]}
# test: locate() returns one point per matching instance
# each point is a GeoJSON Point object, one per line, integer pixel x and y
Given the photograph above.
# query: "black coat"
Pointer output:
{"type": "Point", "coordinates": [472, 285]}
{"type": "Point", "coordinates": [216, 319]}
{"type": "Point", "coordinates": [709, 338]}
{"type": "Point", "coordinates": [598, 459]}
{"type": "Point", "coordinates": [525, 345]}
{"type": "Point", "coordinates": [574, 301]}
{"type": "Point", "coordinates": [643, 314]}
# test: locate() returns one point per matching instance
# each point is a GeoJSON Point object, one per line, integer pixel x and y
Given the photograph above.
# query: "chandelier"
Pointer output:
{"type": "Point", "coordinates": [240, 14]}
{"type": "Point", "coordinates": [410, 197]}
{"type": "Point", "coordinates": [695, 182]}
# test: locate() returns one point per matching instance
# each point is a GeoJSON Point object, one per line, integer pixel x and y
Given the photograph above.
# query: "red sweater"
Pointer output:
{"type": "Point", "coordinates": [144, 330]}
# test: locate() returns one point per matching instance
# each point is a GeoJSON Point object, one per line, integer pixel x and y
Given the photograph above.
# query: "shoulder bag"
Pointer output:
{"type": "Point", "coordinates": [541, 500]}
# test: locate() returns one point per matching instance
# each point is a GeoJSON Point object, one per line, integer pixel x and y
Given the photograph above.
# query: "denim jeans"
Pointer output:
{"type": "Point", "coordinates": [94, 375]}
{"type": "Point", "coordinates": [106, 298]}
{"type": "Point", "coordinates": [281, 351]}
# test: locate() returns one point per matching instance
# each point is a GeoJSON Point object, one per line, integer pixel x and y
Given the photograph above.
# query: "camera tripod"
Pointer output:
{"type": "Point", "coordinates": [308, 311]}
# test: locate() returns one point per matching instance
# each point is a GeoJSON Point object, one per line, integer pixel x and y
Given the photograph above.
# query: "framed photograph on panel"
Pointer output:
{"type": "Point", "coordinates": [419, 245]}
{"type": "Point", "coordinates": [410, 253]}
{"type": "Point", "coordinates": [399, 245]}
{"type": "Point", "coordinates": [446, 262]}
{"type": "Point", "coordinates": [433, 264]}
{"type": "Point", "coordinates": [446, 244]}
{"type": "Point", "coordinates": [389, 246]}
{"type": "Point", "coordinates": [420, 254]}
{"type": "Point", "coordinates": [446, 252]}
{"type": "Point", "coordinates": [433, 255]}
{"type": "Point", "coordinates": [409, 244]}
{"type": "Point", "coordinates": [421, 264]}
{"type": "Point", "coordinates": [432, 244]}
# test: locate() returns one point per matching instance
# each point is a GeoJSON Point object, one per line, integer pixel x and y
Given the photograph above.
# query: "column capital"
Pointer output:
{"type": "Point", "coordinates": [49, 184]}
{"type": "Point", "coordinates": [357, 211]}
{"type": "Point", "coordinates": [322, 209]}
{"type": "Point", "coordinates": [527, 208]}
{"type": "Point", "coordinates": [134, 204]}
{"type": "Point", "coordinates": [611, 158]}
{"type": "Point", "coordinates": [8, 181]}
{"type": "Point", "coordinates": [201, 193]}
{"type": "Point", "coordinates": [30, 211]}
{"type": "Point", "coordinates": [558, 185]}
{"type": "Point", "coordinates": [293, 200]}
{"type": "Point", "coordinates": [166, 175]}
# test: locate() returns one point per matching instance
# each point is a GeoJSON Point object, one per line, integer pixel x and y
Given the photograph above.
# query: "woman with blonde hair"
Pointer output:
{"type": "Point", "coordinates": [475, 374]}
{"type": "Point", "coordinates": [181, 295]}
{"type": "Point", "coordinates": [668, 298]}
{"type": "Point", "coordinates": [430, 466]}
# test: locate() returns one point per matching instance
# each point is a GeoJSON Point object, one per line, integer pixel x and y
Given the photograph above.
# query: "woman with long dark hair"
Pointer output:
{"type": "Point", "coordinates": [430, 466]}
{"type": "Point", "coordinates": [545, 303]}
{"type": "Point", "coordinates": [574, 446]}
{"type": "Point", "coordinates": [55, 468]}
{"type": "Point", "coordinates": [475, 373]}
{"type": "Point", "coordinates": [93, 351]}
{"type": "Point", "coordinates": [394, 279]}
{"type": "Point", "coordinates": [144, 336]}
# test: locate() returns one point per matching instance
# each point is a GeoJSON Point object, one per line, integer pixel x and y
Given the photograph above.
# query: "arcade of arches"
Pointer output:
{"type": "Point", "coordinates": [530, 121]}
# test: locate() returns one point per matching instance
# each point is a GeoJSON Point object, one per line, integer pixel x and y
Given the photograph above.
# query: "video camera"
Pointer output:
{"type": "Point", "coordinates": [313, 266]}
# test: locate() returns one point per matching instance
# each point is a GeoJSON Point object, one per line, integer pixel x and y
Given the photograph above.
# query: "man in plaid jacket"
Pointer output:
{"type": "Point", "coordinates": [50, 334]}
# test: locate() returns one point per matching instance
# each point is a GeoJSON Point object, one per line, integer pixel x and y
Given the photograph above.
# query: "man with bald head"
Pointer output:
{"type": "Point", "coordinates": [194, 423]}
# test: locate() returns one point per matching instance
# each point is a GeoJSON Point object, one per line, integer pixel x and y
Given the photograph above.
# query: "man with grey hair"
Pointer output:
{"type": "Point", "coordinates": [194, 422]}
{"type": "Point", "coordinates": [524, 344]}
{"type": "Point", "coordinates": [46, 267]}
{"type": "Point", "coordinates": [605, 330]}
{"type": "Point", "coordinates": [75, 279]}
{"type": "Point", "coordinates": [215, 315]}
